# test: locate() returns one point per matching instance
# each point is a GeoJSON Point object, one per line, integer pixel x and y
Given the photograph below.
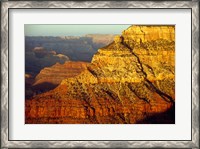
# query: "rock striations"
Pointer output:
{"type": "Point", "coordinates": [56, 73]}
{"type": "Point", "coordinates": [51, 77]}
{"type": "Point", "coordinates": [132, 80]}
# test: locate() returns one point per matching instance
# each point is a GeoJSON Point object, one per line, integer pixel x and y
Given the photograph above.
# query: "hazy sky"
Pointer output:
{"type": "Point", "coordinates": [71, 30]}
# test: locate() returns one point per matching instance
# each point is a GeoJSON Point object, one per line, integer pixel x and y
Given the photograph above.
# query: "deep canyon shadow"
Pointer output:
{"type": "Point", "coordinates": [167, 117]}
{"type": "Point", "coordinates": [40, 88]}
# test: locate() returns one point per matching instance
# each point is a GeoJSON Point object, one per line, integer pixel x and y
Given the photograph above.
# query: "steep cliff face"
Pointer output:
{"type": "Point", "coordinates": [56, 73]}
{"type": "Point", "coordinates": [155, 48]}
{"type": "Point", "coordinates": [51, 77]}
{"type": "Point", "coordinates": [129, 81]}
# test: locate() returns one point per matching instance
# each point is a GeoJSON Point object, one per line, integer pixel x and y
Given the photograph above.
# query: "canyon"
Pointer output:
{"type": "Point", "coordinates": [129, 81]}
{"type": "Point", "coordinates": [50, 77]}
{"type": "Point", "coordinates": [76, 48]}
{"type": "Point", "coordinates": [43, 52]}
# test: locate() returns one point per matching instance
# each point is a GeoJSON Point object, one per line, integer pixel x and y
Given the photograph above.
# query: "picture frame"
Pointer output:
{"type": "Point", "coordinates": [7, 6]}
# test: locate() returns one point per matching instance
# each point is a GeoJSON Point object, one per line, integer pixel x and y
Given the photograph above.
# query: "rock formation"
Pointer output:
{"type": "Point", "coordinates": [77, 48]}
{"type": "Point", "coordinates": [132, 80]}
{"type": "Point", "coordinates": [51, 77]}
{"type": "Point", "coordinates": [39, 57]}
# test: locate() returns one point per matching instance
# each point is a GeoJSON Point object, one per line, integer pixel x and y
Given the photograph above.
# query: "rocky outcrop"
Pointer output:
{"type": "Point", "coordinates": [155, 48]}
{"type": "Point", "coordinates": [51, 77]}
{"type": "Point", "coordinates": [58, 72]}
{"type": "Point", "coordinates": [129, 81]}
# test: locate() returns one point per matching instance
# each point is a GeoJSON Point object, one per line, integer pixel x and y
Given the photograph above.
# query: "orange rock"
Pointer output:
{"type": "Point", "coordinates": [132, 80]}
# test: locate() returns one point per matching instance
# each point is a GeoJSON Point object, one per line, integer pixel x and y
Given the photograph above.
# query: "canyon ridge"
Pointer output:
{"type": "Point", "coordinates": [129, 81]}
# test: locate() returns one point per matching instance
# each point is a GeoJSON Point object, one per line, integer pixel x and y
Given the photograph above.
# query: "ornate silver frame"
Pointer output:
{"type": "Point", "coordinates": [6, 143]}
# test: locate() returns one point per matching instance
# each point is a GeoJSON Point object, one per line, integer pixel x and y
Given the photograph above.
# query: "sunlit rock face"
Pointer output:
{"type": "Point", "coordinates": [129, 81]}
{"type": "Point", "coordinates": [51, 77]}
{"type": "Point", "coordinates": [155, 48]}
{"type": "Point", "coordinates": [56, 73]}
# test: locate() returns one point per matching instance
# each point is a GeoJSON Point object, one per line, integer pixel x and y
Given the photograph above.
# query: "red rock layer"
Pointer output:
{"type": "Point", "coordinates": [99, 106]}
{"type": "Point", "coordinates": [51, 77]}
{"type": "Point", "coordinates": [127, 82]}
{"type": "Point", "coordinates": [56, 73]}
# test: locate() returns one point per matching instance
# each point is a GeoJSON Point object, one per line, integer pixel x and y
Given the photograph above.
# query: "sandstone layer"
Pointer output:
{"type": "Point", "coordinates": [132, 80]}
{"type": "Point", "coordinates": [51, 77]}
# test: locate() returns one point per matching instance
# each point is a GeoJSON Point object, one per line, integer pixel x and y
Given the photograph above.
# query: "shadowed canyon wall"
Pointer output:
{"type": "Point", "coordinates": [45, 51]}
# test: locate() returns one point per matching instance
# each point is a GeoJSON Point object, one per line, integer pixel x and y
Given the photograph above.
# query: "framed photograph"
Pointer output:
{"type": "Point", "coordinates": [103, 74]}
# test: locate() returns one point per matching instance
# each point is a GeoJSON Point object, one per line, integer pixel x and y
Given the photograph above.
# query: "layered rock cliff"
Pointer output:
{"type": "Point", "coordinates": [51, 77]}
{"type": "Point", "coordinates": [132, 80]}
{"type": "Point", "coordinates": [56, 73]}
